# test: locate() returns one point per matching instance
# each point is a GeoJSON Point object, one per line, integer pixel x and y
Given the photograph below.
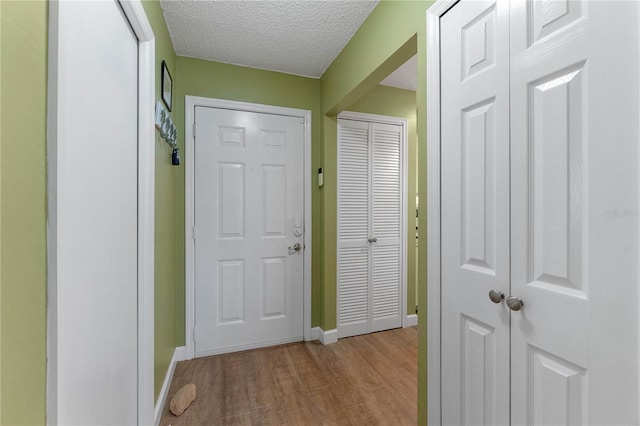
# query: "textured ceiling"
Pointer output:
{"type": "Point", "coordinates": [298, 37]}
{"type": "Point", "coordinates": [405, 77]}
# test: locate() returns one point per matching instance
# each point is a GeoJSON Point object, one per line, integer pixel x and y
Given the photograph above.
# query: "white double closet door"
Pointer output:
{"type": "Point", "coordinates": [540, 187]}
{"type": "Point", "coordinates": [370, 224]}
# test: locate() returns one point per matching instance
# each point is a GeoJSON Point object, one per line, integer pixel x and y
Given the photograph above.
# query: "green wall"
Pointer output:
{"type": "Point", "coordinates": [392, 33]}
{"type": "Point", "coordinates": [384, 100]}
{"type": "Point", "coordinates": [167, 257]}
{"type": "Point", "coordinates": [23, 56]}
{"type": "Point", "coordinates": [224, 81]}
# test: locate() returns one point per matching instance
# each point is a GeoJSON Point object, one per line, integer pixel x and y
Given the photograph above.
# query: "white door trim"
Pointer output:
{"type": "Point", "coordinates": [434, 13]}
{"type": "Point", "coordinates": [385, 119]}
{"type": "Point", "coordinates": [139, 22]}
{"type": "Point", "coordinates": [189, 161]}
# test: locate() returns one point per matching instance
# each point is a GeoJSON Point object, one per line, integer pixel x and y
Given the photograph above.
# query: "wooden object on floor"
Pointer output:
{"type": "Point", "coordinates": [369, 379]}
{"type": "Point", "coordinates": [182, 399]}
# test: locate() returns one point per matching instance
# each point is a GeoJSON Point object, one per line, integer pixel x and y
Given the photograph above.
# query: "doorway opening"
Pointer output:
{"type": "Point", "coordinates": [391, 98]}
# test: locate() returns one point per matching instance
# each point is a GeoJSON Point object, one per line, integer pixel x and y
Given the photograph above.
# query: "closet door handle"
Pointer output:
{"type": "Point", "coordinates": [514, 303]}
{"type": "Point", "coordinates": [374, 239]}
{"type": "Point", "coordinates": [496, 296]}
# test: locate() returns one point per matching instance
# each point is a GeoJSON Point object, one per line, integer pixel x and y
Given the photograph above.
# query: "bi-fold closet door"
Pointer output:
{"type": "Point", "coordinates": [370, 271]}
{"type": "Point", "coordinates": [539, 206]}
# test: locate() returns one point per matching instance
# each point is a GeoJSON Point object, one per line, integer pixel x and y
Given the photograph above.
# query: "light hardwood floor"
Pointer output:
{"type": "Point", "coordinates": [362, 380]}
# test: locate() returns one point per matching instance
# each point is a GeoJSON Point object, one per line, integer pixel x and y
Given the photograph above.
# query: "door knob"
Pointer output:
{"type": "Point", "coordinates": [514, 303]}
{"type": "Point", "coordinates": [296, 247]}
{"type": "Point", "coordinates": [496, 296]}
{"type": "Point", "coordinates": [373, 240]}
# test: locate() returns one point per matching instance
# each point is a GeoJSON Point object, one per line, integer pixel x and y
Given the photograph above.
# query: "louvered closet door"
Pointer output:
{"type": "Point", "coordinates": [353, 228]}
{"type": "Point", "coordinates": [369, 227]}
{"type": "Point", "coordinates": [385, 212]}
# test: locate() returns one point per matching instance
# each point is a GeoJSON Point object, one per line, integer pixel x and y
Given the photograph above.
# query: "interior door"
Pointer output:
{"type": "Point", "coordinates": [573, 288]}
{"type": "Point", "coordinates": [93, 218]}
{"type": "Point", "coordinates": [574, 212]}
{"type": "Point", "coordinates": [370, 261]}
{"type": "Point", "coordinates": [249, 216]}
{"type": "Point", "coordinates": [386, 212]}
{"type": "Point", "coordinates": [475, 213]}
{"type": "Point", "coordinates": [354, 227]}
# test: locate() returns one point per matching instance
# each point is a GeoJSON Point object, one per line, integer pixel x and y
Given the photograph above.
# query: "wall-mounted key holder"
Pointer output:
{"type": "Point", "coordinates": [168, 131]}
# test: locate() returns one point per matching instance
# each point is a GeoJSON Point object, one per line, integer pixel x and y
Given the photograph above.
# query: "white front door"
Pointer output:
{"type": "Point", "coordinates": [475, 213]}
{"type": "Point", "coordinates": [540, 154]}
{"type": "Point", "coordinates": [249, 230]}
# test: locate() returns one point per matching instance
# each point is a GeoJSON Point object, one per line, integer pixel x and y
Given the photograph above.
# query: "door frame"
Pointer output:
{"type": "Point", "coordinates": [191, 102]}
{"type": "Point", "coordinates": [434, 241]}
{"type": "Point", "coordinates": [139, 22]}
{"type": "Point", "coordinates": [404, 212]}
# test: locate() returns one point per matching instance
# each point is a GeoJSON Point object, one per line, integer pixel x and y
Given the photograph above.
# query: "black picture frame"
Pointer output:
{"type": "Point", "coordinates": [167, 86]}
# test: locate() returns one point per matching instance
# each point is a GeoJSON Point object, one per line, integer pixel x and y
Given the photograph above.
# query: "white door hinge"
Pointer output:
{"type": "Point", "coordinates": [194, 333]}
{"type": "Point", "coordinates": [193, 233]}
{"type": "Point", "coordinates": [194, 130]}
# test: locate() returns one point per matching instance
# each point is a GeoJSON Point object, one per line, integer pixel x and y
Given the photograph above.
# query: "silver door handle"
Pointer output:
{"type": "Point", "coordinates": [296, 247]}
{"type": "Point", "coordinates": [372, 240]}
{"type": "Point", "coordinates": [496, 296]}
{"type": "Point", "coordinates": [514, 303]}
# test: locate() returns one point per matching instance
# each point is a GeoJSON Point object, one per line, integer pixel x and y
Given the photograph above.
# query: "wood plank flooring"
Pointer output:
{"type": "Point", "coordinates": [362, 380]}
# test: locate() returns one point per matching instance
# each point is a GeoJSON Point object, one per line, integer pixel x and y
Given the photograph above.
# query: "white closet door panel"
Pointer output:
{"type": "Point", "coordinates": [385, 175]}
{"type": "Point", "coordinates": [353, 182]}
{"type": "Point", "coordinates": [94, 362]}
{"type": "Point", "coordinates": [353, 228]}
{"type": "Point", "coordinates": [353, 291]}
{"type": "Point", "coordinates": [575, 186]}
{"type": "Point", "coordinates": [386, 288]}
{"type": "Point", "coordinates": [475, 213]}
{"type": "Point", "coordinates": [385, 211]}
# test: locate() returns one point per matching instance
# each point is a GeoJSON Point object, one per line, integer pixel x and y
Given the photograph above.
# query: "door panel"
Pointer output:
{"type": "Point", "coordinates": [475, 213]}
{"type": "Point", "coordinates": [386, 210]}
{"type": "Point", "coordinates": [574, 154]}
{"type": "Point", "coordinates": [479, 372]}
{"type": "Point", "coordinates": [354, 258]}
{"type": "Point", "coordinates": [248, 211]}
{"type": "Point", "coordinates": [93, 358]}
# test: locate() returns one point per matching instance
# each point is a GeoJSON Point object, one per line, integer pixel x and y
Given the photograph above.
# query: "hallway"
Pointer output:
{"type": "Point", "coordinates": [369, 379]}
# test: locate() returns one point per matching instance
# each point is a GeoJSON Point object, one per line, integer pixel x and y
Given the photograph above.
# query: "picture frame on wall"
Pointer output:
{"type": "Point", "coordinates": [167, 86]}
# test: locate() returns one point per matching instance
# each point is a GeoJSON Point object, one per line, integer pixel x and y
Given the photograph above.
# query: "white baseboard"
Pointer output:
{"type": "Point", "coordinates": [315, 333]}
{"type": "Point", "coordinates": [411, 320]}
{"type": "Point", "coordinates": [325, 337]}
{"type": "Point", "coordinates": [329, 336]}
{"type": "Point", "coordinates": [178, 355]}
